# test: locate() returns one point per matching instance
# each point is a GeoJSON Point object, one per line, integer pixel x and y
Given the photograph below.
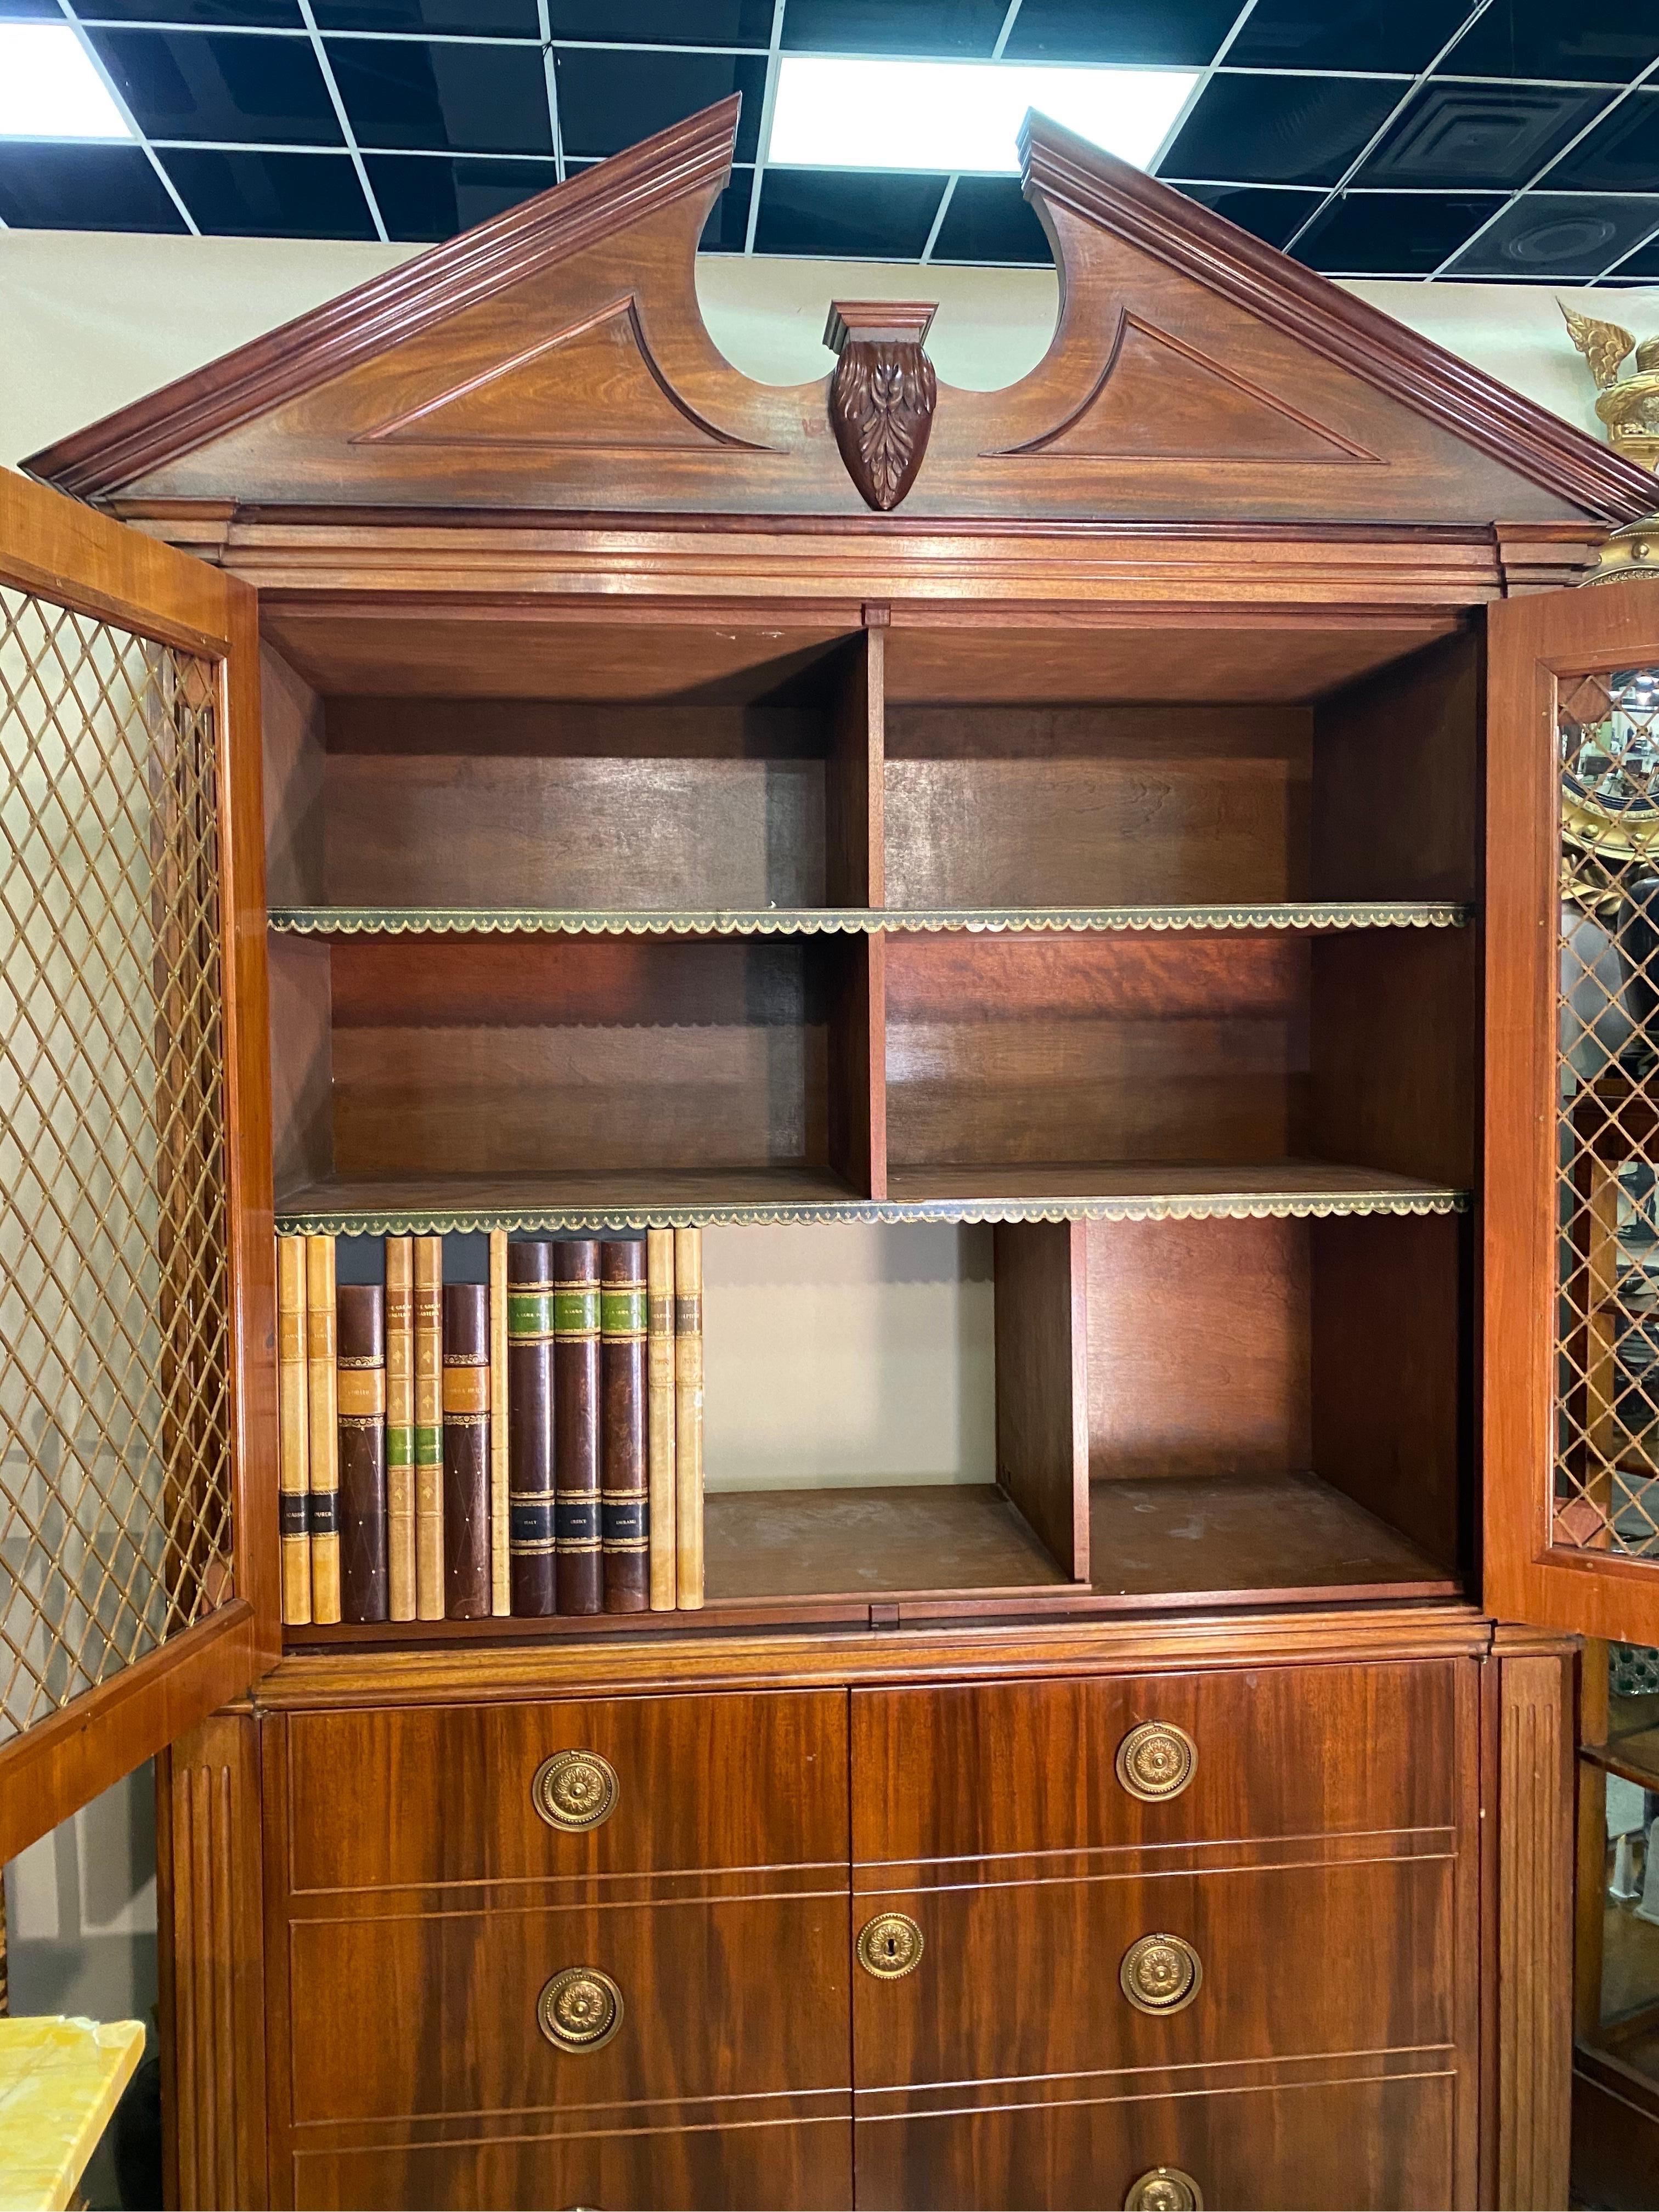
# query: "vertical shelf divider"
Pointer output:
{"type": "Point", "coordinates": [1043, 1383]}
{"type": "Point", "coordinates": [854, 876]}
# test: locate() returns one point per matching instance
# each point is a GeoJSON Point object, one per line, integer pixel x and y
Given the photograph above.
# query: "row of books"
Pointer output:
{"type": "Point", "coordinates": [527, 1446]}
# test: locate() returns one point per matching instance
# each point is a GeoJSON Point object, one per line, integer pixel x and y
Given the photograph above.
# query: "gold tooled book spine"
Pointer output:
{"type": "Point", "coordinates": [292, 1438]}
{"type": "Point", "coordinates": [324, 1430]}
{"type": "Point", "coordinates": [400, 1426]}
{"type": "Point", "coordinates": [428, 1428]}
{"type": "Point", "coordinates": [659, 1417]}
{"type": "Point", "coordinates": [501, 1580]}
{"type": "Point", "coordinates": [688, 1416]}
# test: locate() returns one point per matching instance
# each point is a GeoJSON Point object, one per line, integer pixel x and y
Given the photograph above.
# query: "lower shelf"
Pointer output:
{"type": "Point", "coordinates": [881, 1541]}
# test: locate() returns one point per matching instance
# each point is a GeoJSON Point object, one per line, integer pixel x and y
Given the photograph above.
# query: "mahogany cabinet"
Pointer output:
{"type": "Point", "coordinates": [1123, 819]}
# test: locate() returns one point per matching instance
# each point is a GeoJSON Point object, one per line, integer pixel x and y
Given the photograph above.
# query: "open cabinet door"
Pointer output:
{"type": "Point", "coordinates": [137, 1490]}
{"type": "Point", "coordinates": [1571, 1275]}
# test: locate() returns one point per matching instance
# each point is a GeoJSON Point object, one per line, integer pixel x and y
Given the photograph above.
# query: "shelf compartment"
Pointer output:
{"type": "Point", "coordinates": [877, 1543]}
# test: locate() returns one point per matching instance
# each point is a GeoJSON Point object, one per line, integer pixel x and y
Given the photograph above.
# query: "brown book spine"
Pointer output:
{"type": "Point", "coordinates": [530, 1426]}
{"type": "Point", "coordinates": [428, 1428]}
{"type": "Point", "coordinates": [361, 1392]}
{"type": "Point", "coordinates": [293, 1439]}
{"type": "Point", "coordinates": [688, 1415]}
{"type": "Point", "coordinates": [577, 1543]}
{"type": "Point", "coordinates": [659, 1419]}
{"type": "Point", "coordinates": [622, 1384]}
{"type": "Point", "coordinates": [466, 1450]}
{"type": "Point", "coordinates": [400, 1427]}
{"type": "Point", "coordinates": [324, 1433]}
{"type": "Point", "coordinates": [501, 1599]}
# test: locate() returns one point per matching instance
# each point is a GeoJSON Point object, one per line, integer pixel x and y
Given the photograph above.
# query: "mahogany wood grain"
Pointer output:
{"type": "Point", "coordinates": [457, 1198]}
{"type": "Point", "coordinates": [741, 714]}
{"type": "Point", "coordinates": [1533, 2029]}
{"type": "Point", "coordinates": [1040, 1336]}
{"type": "Point", "coordinates": [1615, 2132]}
{"type": "Point", "coordinates": [292, 733]}
{"type": "Point", "coordinates": [852, 788]}
{"type": "Point", "coordinates": [856, 1141]}
{"type": "Point", "coordinates": [1590, 1844]}
{"type": "Point", "coordinates": [1395, 1051]}
{"type": "Point", "coordinates": [301, 1061]}
{"type": "Point", "coordinates": [871, 1541]}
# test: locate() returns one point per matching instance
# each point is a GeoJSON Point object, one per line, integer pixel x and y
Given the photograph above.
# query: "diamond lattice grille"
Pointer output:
{"type": "Point", "coordinates": [115, 1506]}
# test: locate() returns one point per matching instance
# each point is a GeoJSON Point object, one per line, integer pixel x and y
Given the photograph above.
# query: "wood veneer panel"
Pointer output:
{"type": "Point", "coordinates": [880, 1540]}
{"type": "Point", "coordinates": [853, 790]}
{"type": "Point", "coordinates": [301, 1061]}
{"type": "Point", "coordinates": [1395, 1055]}
{"type": "Point", "coordinates": [857, 1135]}
{"type": "Point", "coordinates": [710, 722]}
{"type": "Point", "coordinates": [292, 729]}
{"type": "Point", "coordinates": [1041, 1329]}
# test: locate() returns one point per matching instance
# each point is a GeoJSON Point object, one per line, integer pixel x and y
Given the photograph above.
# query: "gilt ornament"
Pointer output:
{"type": "Point", "coordinates": [1629, 405]}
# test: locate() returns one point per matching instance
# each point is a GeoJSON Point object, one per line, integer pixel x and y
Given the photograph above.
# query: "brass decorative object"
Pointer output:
{"type": "Point", "coordinates": [580, 2009]}
{"type": "Point", "coordinates": [1156, 1761]}
{"type": "Point", "coordinates": [1160, 1973]}
{"type": "Point", "coordinates": [1164, 2188]}
{"type": "Point", "coordinates": [574, 1790]}
{"type": "Point", "coordinates": [1629, 405]}
{"type": "Point", "coordinates": [882, 395]}
{"type": "Point", "coordinates": [890, 1946]}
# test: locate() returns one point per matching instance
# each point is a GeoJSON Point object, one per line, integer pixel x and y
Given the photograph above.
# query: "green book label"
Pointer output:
{"type": "Point", "coordinates": [529, 1313]}
{"type": "Point", "coordinates": [399, 1446]}
{"type": "Point", "coordinates": [621, 1311]}
{"type": "Point", "coordinates": [428, 1446]}
{"type": "Point", "coordinates": [576, 1313]}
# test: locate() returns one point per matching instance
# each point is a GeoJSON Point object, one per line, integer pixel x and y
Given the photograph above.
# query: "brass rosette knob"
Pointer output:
{"type": "Point", "coordinates": [574, 1790]}
{"type": "Point", "coordinates": [1155, 1761]}
{"type": "Point", "coordinates": [1164, 2188]}
{"type": "Point", "coordinates": [890, 1946]}
{"type": "Point", "coordinates": [580, 2009]}
{"type": "Point", "coordinates": [1160, 1973]}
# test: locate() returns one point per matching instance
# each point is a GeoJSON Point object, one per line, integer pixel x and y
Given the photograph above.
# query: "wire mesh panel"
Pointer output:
{"type": "Point", "coordinates": [115, 1494]}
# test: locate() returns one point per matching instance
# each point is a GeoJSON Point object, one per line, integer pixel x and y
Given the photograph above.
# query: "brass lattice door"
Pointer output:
{"type": "Point", "coordinates": [136, 1499]}
{"type": "Point", "coordinates": [1571, 1189]}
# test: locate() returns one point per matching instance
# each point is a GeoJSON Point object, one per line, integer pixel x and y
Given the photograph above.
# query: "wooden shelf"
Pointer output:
{"type": "Point", "coordinates": [874, 1540]}
{"type": "Point", "coordinates": [340, 921]}
{"type": "Point", "coordinates": [396, 1206]}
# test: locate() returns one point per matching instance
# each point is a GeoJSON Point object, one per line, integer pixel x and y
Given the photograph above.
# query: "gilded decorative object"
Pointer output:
{"type": "Point", "coordinates": [574, 1790]}
{"type": "Point", "coordinates": [1160, 1973]}
{"type": "Point", "coordinates": [890, 1946]}
{"type": "Point", "coordinates": [882, 395]}
{"type": "Point", "coordinates": [1164, 2188]}
{"type": "Point", "coordinates": [1631, 552]}
{"type": "Point", "coordinates": [1629, 405]}
{"type": "Point", "coordinates": [580, 2009]}
{"type": "Point", "coordinates": [1156, 1761]}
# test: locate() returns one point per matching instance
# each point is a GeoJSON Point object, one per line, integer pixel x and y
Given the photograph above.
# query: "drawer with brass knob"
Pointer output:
{"type": "Point", "coordinates": [1164, 2189]}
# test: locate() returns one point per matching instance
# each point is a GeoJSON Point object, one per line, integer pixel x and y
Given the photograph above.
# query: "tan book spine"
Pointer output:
{"type": "Point", "coordinates": [325, 1430]}
{"type": "Point", "coordinates": [687, 1417]}
{"type": "Point", "coordinates": [292, 1437]}
{"type": "Point", "coordinates": [428, 1428]}
{"type": "Point", "coordinates": [400, 1426]}
{"type": "Point", "coordinates": [659, 1415]}
{"type": "Point", "coordinates": [501, 1577]}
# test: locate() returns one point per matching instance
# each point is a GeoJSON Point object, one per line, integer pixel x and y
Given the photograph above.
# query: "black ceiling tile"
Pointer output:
{"type": "Point", "coordinates": [278, 15]}
{"type": "Point", "coordinates": [1361, 34]}
{"type": "Point", "coordinates": [610, 101]}
{"type": "Point", "coordinates": [202, 84]}
{"type": "Point", "coordinates": [665, 22]}
{"type": "Point", "coordinates": [726, 230]}
{"type": "Point", "coordinates": [955, 29]}
{"type": "Point", "coordinates": [430, 199]}
{"type": "Point", "coordinates": [989, 219]}
{"type": "Point", "coordinates": [1621, 155]}
{"type": "Point", "coordinates": [1280, 129]}
{"type": "Point", "coordinates": [864, 215]}
{"type": "Point", "coordinates": [1272, 216]}
{"type": "Point", "coordinates": [474, 19]}
{"type": "Point", "coordinates": [1643, 267]}
{"type": "Point", "coordinates": [1487, 138]}
{"type": "Point", "coordinates": [1184, 33]}
{"type": "Point", "coordinates": [1559, 235]}
{"type": "Point", "coordinates": [68, 187]}
{"type": "Point", "coordinates": [449, 98]}
{"type": "Point", "coordinates": [30, 11]}
{"type": "Point", "coordinates": [248, 195]}
{"type": "Point", "coordinates": [1394, 234]}
{"type": "Point", "coordinates": [1594, 41]}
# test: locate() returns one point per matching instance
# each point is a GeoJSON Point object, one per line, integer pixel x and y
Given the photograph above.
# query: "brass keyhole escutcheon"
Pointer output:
{"type": "Point", "coordinates": [580, 2009]}
{"type": "Point", "coordinates": [574, 1790]}
{"type": "Point", "coordinates": [1160, 1973]}
{"type": "Point", "coordinates": [1156, 1761]}
{"type": "Point", "coordinates": [1164, 2188]}
{"type": "Point", "coordinates": [889, 1946]}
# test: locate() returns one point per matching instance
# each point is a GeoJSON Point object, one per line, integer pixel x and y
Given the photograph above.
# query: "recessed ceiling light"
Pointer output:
{"type": "Point", "coordinates": [49, 88]}
{"type": "Point", "coordinates": [831, 113]}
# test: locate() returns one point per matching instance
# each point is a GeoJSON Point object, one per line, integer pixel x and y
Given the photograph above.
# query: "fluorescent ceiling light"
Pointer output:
{"type": "Point", "coordinates": [49, 88]}
{"type": "Point", "coordinates": [832, 113]}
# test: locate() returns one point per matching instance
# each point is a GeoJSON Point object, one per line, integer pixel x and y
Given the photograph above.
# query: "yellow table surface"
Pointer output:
{"type": "Point", "coordinates": [59, 2082]}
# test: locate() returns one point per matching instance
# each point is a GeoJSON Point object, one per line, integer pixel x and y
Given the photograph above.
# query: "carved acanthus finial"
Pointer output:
{"type": "Point", "coordinates": [882, 395]}
{"type": "Point", "coordinates": [1629, 405]}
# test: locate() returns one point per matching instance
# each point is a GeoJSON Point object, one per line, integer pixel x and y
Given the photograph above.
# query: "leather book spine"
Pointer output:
{"type": "Point", "coordinates": [581, 1566]}
{"type": "Point", "coordinates": [530, 1427]}
{"type": "Point", "coordinates": [660, 1416]}
{"type": "Point", "coordinates": [428, 1428]}
{"type": "Point", "coordinates": [400, 1427]}
{"type": "Point", "coordinates": [324, 1496]}
{"type": "Point", "coordinates": [360, 1367]}
{"type": "Point", "coordinates": [500, 1598]}
{"type": "Point", "coordinates": [622, 1393]}
{"type": "Point", "coordinates": [293, 1438]}
{"type": "Point", "coordinates": [688, 1416]}
{"type": "Point", "coordinates": [466, 1450]}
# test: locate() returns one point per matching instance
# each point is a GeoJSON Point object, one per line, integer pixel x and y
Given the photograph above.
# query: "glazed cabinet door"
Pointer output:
{"type": "Point", "coordinates": [137, 1492]}
{"type": "Point", "coordinates": [1571, 1276]}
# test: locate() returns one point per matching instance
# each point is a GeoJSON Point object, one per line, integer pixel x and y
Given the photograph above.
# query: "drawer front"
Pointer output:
{"type": "Point", "coordinates": [427, 1795]}
{"type": "Point", "coordinates": [1337, 2147]}
{"type": "Point", "coordinates": [1024, 1980]}
{"type": "Point", "coordinates": [402, 2017]}
{"type": "Point", "coordinates": [1011, 1767]}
